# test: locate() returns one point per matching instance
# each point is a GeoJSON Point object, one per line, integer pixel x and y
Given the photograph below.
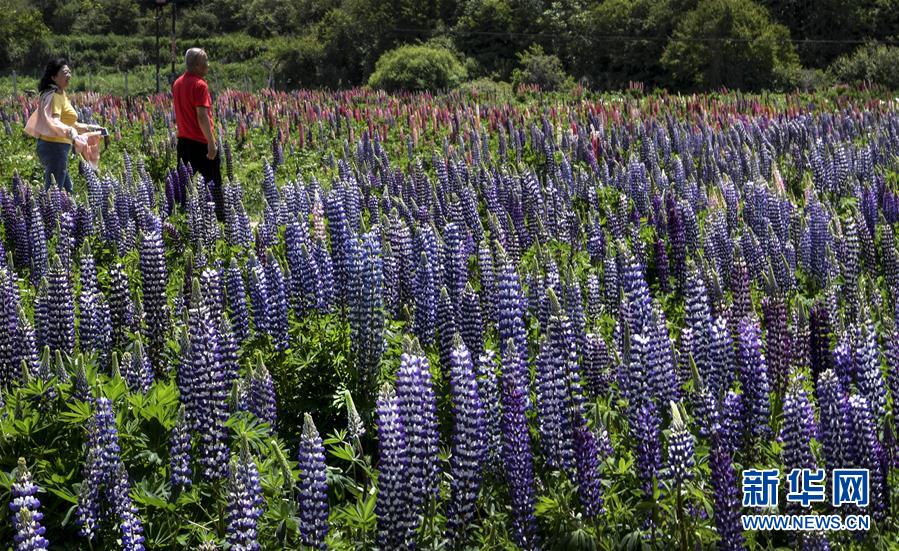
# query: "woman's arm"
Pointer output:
{"type": "Point", "coordinates": [82, 127]}
{"type": "Point", "coordinates": [57, 127]}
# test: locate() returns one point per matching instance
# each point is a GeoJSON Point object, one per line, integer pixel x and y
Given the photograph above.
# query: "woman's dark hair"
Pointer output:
{"type": "Point", "coordinates": [50, 71]}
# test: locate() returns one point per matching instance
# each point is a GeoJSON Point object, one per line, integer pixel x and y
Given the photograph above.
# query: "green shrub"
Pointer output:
{"type": "Point", "coordinates": [486, 88]}
{"type": "Point", "coordinates": [809, 80]}
{"type": "Point", "coordinates": [871, 63]}
{"type": "Point", "coordinates": [417, 67]}
{"type": "Point", "coordinates": [544, 70]}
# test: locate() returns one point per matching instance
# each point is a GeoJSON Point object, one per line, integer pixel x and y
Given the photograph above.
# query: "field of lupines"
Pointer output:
{"type": "Point", "coordinates": [450, 322]}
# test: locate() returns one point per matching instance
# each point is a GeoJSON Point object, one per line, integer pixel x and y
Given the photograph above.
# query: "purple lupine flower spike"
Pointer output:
{"type": "Point", "coordinates": [396, 517]}
{"type": "Point", "coordinates": [777, 338]}
{"type": "Point", "coordinates": [726, 498]}
{"type": "Point", "coordinates": [425, 295]}
{"type": "Point", "coordinates": [181, 474]}
{"type": "Point", "coordinates": [258, 293]}
{"type": "Point", "coordinates": [313, 504]}
{"type": "Point", "coordinates": [60, 310]}
{"type": "Point", "coordinates": [799, 428]}
{"type": "Point", "coordinates": [38, 243]}
{"type": "Point", "coordinates": [472, 322]}
{"type": "Point", "coordinates": [237, 301]}
{"type": "Point", "coordinates": [587, 459]}
{"type": "Point", "coordinates": [121, 308]}
{"type": "Point", "coordinates": [556, 437]}
{"type": "Point", "coordinates": [510, 325]}
{"type": "Point", "coordinates": [646, 433]}
{"type": "Point", "coordinates": [203, 388]}
{"type": "Point", "coordinates": [26, 510]}
{"type": "Point", "coordinates": [418, 410]}
{"type": "Point", "coordinates": [869, 373]}
{"type": "Point", "coordinates": [867, 451]}
{"type": "Point", "coordinates": [102, 460]}
{"type": "Point", "coordinates": [244, 503]}
{"type": "Point", "coordinates": [446, 325]}
{"type": "Point", "coordinates": [10, 361]}
{"type": "Point", "coordinates": [518, 461]}
{"type": "Point", "coordinates": [596, 364]}
{"type": "Point", "coordinates": [469, 446]}
{"type": "Point", "coordinates": [365, 302]}
{"type": "Point", "coordinates": [835, 430]}
{"type": "Point", "coordinates": [41, 314]}
{"type": "Point", "coordinates": [892, 362]}
{"type": "Point", "coordinates": [754, 381]}
{"type": "Point", "coordinates": [104, 475]}
{"type": "Point", "coordinates": [94, 328]}
{"type": "Point", "coordinates": [261, 397]}
{"type": "Point", "coordinates": [128, 521]}
{"type": "Point", "coordinates": [489, 394]}
{"type": "Point", "coordinates": [155, 279]}
{"type": "Point", "coordinates": [277, 303]}
{"type": "Point", "coordinates": [680, 449]}
{"type": "Point", "coordinates": [141, 368]}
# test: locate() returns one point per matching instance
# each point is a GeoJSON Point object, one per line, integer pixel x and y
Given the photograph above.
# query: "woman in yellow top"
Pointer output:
{"type": "Point", "coordinates": [55, 142]}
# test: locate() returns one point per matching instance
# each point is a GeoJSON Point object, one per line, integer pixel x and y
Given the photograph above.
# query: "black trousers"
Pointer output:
{"type": "Point", "coordinates": [194, 153]}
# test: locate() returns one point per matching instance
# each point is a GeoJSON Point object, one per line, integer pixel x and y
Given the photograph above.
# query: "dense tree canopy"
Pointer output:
{"type": "Point", "coordinates": [21, 32]}
{"type": "Point", "coordinates": [729, 43]}
{"type": "Point", "coordinates": [675, 44]}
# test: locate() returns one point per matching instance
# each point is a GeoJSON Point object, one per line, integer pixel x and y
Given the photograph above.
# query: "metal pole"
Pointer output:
{"type": "Point", "coordinates": [158, 15]}
{"type": "Point", "coordinates": [173, 40]}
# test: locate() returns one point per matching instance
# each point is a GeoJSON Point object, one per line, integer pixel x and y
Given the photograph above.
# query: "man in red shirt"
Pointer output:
{"type": "Point", "coordinates": [193, 116]}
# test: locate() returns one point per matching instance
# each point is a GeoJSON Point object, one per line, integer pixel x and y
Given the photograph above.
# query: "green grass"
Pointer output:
{"type": "Point", "coordinates": [142, 79]}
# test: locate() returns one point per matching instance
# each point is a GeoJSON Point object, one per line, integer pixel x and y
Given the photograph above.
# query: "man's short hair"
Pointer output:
{"type": "Point", "coordinates": [193, 56]}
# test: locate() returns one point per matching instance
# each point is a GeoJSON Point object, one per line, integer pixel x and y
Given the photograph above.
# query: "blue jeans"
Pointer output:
{"type": "Point", "coordinates": [55, 158]}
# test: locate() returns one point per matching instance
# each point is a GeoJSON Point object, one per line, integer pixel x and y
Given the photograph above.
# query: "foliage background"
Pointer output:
{"type": "Point", "coordinates": [679, 45]}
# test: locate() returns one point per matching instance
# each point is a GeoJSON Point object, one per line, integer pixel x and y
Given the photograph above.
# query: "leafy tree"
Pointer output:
{"type": "Point", "coordinates": [22, 33]}
{"type": "Point", "coordinates": [298, 61]}
{"type": "Point", "coordinates": [198, 22]}
{"type": "Point", "coordinates": [103, 16]}
{"type": "Point", "coordinates": [831, 26]}
{"type": "Point", "coordinates": [626, 39]}
{"type": "Point", "coordinates": [310, 12]}
{"type": "Point", "coordinates": [229, 14]}
{"type": "Point", "coordinates": [560, 27]}
{"type": "Point", "coordinates": [418, 67]}
{"type": "Point", "coordinates": [53, 16]}
{"type": "Point", "coordinates": [730, 43]}
{"type": "Point", "coordinates": [331, 55]}
{"type": "Point", "coordinates": [267, 18]}
{"type": "Point", "coordinates": [388, 24]}
{"type": "Point", "coordinates": [492, 31]}
{"type": "Point", "coordinates": [344, 52]}
{"type": "Point", "coordinates": [544, 70]}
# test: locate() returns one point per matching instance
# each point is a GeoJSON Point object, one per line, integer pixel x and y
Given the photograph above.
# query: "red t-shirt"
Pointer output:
{"type": "Point", "coordinates": [189, 92]}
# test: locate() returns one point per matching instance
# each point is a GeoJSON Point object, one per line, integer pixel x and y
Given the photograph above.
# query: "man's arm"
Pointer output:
{"type": "Point", "coordinates": [206, 129]}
